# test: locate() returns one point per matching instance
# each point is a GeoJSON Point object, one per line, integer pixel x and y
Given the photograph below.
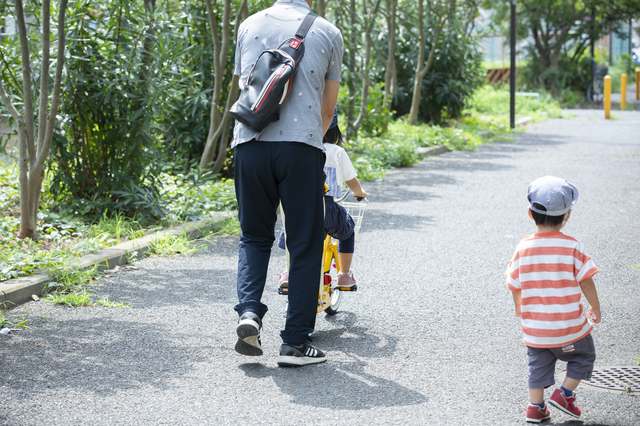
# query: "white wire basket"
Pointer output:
{"type": "Point", "coordinates": [356, 210]}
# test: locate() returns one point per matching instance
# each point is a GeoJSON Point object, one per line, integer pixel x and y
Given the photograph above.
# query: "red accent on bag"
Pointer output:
{"type": "Point", "coordinates": [295, 43]}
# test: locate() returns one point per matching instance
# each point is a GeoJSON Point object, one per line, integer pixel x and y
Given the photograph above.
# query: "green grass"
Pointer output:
{"type": "Point", "coordinates": [81, 298]}
{"type": "Point", "coordinates": [495, 102]}
{"type": "Point", "coordinates": [170, 245]}
{"type": "Point", "coordinates": [230, 226]}
{"type": "Point", "coordinates": [10, 323]}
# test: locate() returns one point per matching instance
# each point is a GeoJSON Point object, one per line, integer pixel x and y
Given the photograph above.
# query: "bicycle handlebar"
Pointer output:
{"type": "Point", "coordinates": [346, 194]}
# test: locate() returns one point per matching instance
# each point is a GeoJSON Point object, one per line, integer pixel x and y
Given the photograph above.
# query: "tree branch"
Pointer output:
{"type": "Point", "coordinates": [7, 102]}
{"type": "Point", "coordinates": [44, 73]}
{"type": "Point", "coordinates": [26, 82]}
{"type": "Point", "coordinates": [55, 101]}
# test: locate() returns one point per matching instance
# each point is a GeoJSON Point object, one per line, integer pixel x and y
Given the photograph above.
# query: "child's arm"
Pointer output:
{"type": "Point", "coordinates": [517, 300]}
{"type": "Point", "coordinates": [589, 289]}
{"type": "Point", "coordinates": [356, 189]}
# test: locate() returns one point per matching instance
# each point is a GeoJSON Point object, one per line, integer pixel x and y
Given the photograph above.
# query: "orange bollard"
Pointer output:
{"type": "Point", "coordinates": [637, 84]}
{"type": "Point", "coordinates": [607, 97]}
{"type": "Point", "coordinates": [623, 91]}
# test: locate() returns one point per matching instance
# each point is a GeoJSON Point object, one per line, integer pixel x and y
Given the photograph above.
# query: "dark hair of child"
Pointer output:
{"type": "Point", "coordinates": [333, 135]}
{"type": "Point", "coordinates": [544, 220]}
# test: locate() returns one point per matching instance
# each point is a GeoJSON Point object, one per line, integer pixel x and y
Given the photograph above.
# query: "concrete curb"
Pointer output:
{"type": "Point", "coordinates": [430, 151]}
{"type": "Point", "coordinates": [19, 290]}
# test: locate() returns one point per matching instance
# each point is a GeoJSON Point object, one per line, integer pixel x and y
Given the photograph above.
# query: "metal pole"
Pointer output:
{"type": "Point", "coordinates": [630, 34]}
{"type": "Point", "coordinates": [512, 73]}
{"type": "Point", "coordinates": [610, 49]}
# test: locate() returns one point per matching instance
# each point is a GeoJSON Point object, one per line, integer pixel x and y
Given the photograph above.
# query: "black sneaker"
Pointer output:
{"type": "Point", "coordinates": [248, 331]}
{"type": "Point", "coordinates": [291, 356]}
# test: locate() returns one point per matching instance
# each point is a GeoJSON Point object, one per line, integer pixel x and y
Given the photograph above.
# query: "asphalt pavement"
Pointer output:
{"type": "Point", "coordinates": [429, 338]}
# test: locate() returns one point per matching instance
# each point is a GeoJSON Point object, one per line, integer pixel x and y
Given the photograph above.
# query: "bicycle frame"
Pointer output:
{"type": "Point", "coordinates": [330, 254]}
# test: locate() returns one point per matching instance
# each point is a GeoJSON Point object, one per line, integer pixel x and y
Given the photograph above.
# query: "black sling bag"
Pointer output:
{"type": "Point", "coordinates": [270, 80]}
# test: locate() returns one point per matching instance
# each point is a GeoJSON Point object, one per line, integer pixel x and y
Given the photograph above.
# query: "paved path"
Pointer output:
{"type": "Point", "coordinates": [430, 337]}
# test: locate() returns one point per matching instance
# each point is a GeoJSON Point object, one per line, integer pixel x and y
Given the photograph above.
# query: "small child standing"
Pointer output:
{"type": "Point", "coordinates": [547, 275]}
{"type": "Point", "coordinates": [337, 222]}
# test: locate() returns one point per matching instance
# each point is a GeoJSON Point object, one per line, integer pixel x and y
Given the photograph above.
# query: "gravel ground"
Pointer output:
{"type": "Point", "coordinates": [429, 338]}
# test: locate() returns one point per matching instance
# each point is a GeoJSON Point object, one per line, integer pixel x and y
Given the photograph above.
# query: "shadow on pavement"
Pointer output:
{"type": "Point", "coordinates": [67, 355]}
{"type": "Point", "coordinates": [342, 385]}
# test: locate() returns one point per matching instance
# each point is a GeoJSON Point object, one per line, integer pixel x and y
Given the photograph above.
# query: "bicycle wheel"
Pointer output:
{"type": "Point", "coordinates": [336, 295]}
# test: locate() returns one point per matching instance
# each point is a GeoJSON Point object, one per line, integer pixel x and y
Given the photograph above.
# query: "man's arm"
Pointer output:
{"type": "Point", "coordinates": [329, 100]}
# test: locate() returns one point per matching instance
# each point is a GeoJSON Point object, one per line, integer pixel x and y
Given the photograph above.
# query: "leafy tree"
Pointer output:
{"type": "Point", "coordinates": [563, 27]}
{"type": "Point", "coordinates": [454, 75]}
{"type": "Point", "coordinates": [223, 38]}
{"type": "Point", "coordinates": [35, 130]}
{"type": "Point", "coordinates": [122, 71]}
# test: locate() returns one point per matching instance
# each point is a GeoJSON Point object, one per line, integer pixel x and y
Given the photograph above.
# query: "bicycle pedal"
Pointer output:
{"type": "Point", "coordinates": [283, 291]}
{"type": "Point", "coordinates": [352, 288]}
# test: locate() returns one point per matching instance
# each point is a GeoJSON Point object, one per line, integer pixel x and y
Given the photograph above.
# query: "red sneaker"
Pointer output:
{"type": "Point", "coordinates": [536, 414]}
{"type": "Point", "coordinates": [565, 403]}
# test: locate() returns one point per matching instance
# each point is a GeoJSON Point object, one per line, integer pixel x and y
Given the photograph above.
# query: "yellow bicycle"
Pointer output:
{"type": "Point", "coordinates": [329, 295]}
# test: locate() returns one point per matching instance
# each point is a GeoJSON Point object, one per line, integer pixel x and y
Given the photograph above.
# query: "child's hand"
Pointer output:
{"type": "Point", "coordinates": [362, 194]}
{"type": "Point", "coordinates": [594, 315]}
{"type": "Point", "coordinates": [518, 311]}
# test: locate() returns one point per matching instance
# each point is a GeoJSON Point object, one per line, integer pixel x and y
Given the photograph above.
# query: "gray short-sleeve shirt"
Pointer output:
{"type": "Point", "coordinates": [300, 119]}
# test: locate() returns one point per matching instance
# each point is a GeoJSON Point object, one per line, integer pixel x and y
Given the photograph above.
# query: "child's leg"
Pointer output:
{"type": "Point", "coordinates": [346, 248]}
{"type": "Point", "coordinates": [570, 384]}
{"type": "Point", "coordinates": [345, 261]}
{"type": "Point", "coordinates": [536, 395]}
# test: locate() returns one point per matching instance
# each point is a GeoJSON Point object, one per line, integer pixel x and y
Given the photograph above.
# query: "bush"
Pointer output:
{"type": "Point", "coordinates": [448, 86]}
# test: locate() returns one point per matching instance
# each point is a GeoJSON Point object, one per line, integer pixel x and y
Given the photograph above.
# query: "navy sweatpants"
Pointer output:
{"type": "Point", "coordinates": [267, 174]}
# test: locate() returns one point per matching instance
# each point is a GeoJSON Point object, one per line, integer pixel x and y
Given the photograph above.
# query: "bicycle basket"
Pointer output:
{"type": "Point", "coordinates": [356, 210]}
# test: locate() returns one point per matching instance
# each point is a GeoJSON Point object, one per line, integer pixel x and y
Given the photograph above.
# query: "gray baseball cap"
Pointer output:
{"type": "Point", "coordinates": [556, 195]}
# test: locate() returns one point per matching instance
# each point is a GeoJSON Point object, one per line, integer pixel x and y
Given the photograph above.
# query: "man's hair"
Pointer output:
{"type": "Point", "coordinates": [543, 219]}
{"type": "Point", "coordinates": [333, 135]}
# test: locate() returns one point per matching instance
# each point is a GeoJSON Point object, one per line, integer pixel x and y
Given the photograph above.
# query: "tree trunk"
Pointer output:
{"type": "Point", "coordinates": [364, 100]}
{"type": "Point", "coordinates": [322, 7]}
{"type": "Point", "coordinates": [352, 85]}
{"type": "Point", "coordinates": [421, 70]}
{"type": "Point", "coordinates": [32, 156]}
{"type": "Point", "coordinates": [215, 147]}
{"type": "Point", "coordinates": [390, 72]}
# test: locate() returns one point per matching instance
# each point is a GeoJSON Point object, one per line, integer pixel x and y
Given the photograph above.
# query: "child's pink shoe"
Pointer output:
{"type": "Point", "coordinates": [536, 414]}
{"type": "Point", "coordinates": [565, 403]}
{"type": "Point", "coordinates": [283, 280]}
{"type": "Point", "coordinates": [346, 280]}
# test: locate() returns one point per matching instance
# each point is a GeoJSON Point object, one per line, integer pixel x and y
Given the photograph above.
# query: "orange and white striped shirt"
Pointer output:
{"type": "Point", "coordinates": [548, 268]}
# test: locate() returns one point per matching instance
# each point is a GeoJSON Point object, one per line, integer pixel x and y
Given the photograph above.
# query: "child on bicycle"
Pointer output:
{"type": "Point", "coordinates": [337, 222]}
{"type": "Point", "coordinates": [547, 275]}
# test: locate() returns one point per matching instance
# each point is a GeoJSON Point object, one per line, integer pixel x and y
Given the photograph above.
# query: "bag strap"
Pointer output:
{"type": "Point", "coordinates": [306, 24]}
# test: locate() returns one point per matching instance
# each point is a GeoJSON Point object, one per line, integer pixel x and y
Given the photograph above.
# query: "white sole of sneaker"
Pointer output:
{"type": "Point", "coordinates": [561, 408]}
{"type": "Point", "coordinates": [299, 361]}
{"type": "Point", "coordinates": [248, 338]}
{"type": "Point", "coordinates": [538, 420]}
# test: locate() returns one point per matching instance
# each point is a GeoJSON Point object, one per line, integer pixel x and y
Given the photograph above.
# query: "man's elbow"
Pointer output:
{"type": "Point", "coordinates": [328, 115]}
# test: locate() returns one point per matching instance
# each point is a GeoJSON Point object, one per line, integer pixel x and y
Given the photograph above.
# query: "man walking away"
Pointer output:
{"type": "Point", "coordinates": [284, 164]}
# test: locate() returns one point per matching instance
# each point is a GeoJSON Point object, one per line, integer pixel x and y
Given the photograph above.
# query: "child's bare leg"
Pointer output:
{"type": "Point", "coordinates": [345, 261]}
{"type": "Point", "coordinates": [570, 384]}
{"type": "Point", "coordinates": [536, 395]}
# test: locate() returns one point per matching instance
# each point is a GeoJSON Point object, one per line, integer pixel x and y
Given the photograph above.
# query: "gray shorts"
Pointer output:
{"type": "Point", "coordinates": [579, 356]}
